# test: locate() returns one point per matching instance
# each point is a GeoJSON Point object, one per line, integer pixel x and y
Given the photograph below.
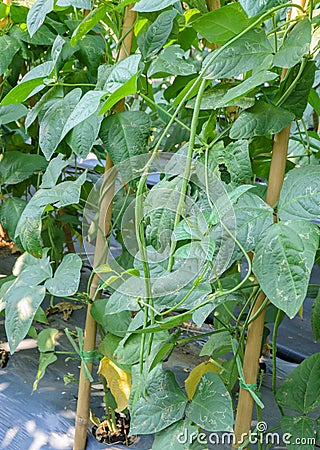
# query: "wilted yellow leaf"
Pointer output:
{"type": "Point", "coordinates": [194, 378]}
{"type": "Point", "coordinates": [118, 380]}
{"type": "Point", "coordinates": [301, 312]}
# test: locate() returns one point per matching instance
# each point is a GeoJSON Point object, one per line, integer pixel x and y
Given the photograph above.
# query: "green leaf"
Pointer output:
{"type": "Point", "coordinates": [48, 98]}
{"type": "Point", "coordinates": [315, 318]}
{"type": "Point", "coordinates": [91, 52]}
{"type": "Point", "coordinates": [40, 316]}
{"type": "Point", "coordinates": [253, 8]}
{"type": "Point", "coordinates": [298, 429]}
{"type": "Point", "coordinates": [298, 98]}
{"type": "Point", "coordinates": [283, 260]}
{"type": "Point", "coordinates": [247, 85]}
{"type": "Point", "coordinates": [211, 405]}
{"type": "Point", "coordinates": [8, 48]}
{"type": "Point", "coordinates": [202, 250]}
{"type": "Point", "coordinates": [296, 45]}
{"type": "Point", "coordinates": [121, 81]}
{"type": "Point", "coordinates": [261, 119]}
{"type": "Point", "coordinates": [47, 339]}
{"type": "Point", "coordinates": [301, 389]}
{"type": "Point", "coordinates": [66, 278]}
{"type": "Point", "coordinates": [251, 51]}
{"type": "Point", "coordinates": [221, 25]}
{"type": "Point", "coordinates": [217, 345]}
{"type": "Point", "coordinates": [10, 212]}
{"type": "Point", "coordinates": [126, 135]}
{"type": "Point", "coordinates": [53, 171]}
{"type": "Point", "coordinates": [88, 23]}
{"type": "Point", "coordinates": [17, 166]}
{"type": "Point", "coordinates": [44, 360]}
{"type": "Point", "coordinates": [22, 302]}
{"type": "Point", "coordinates": [314, 100]}
{"type": "Point", "coordinates": [52, 124]}
{"type": "Point", "coordinates": [85, 108]}
{"type": "Point", "coordinates": [163, 405]}
{"type": "Point", "coordinates": [116, 324]}
{"type": "Point", "coordinates": [253, 218]}
{"type": "Point", "coordinates": [11, 113]}
{"type": "Point", "coordinates": [300, 194]}
{"type": "Point", "coordinates": [32, 270]}
{"type": "Point", "coordinates": [171, 61]}
{"type": "Point", "coordinates": [181, 435]}
{"type": "Point", "coordinates": [37, 14]}
{"type": "Point", "coordinates": [83, 135]}
{"type": "Point", "coordinates": [157, 34]}
{"type": "Point", "coordinates": [160, 210]}
{"type": "Point", "coordinates": [152, 5]}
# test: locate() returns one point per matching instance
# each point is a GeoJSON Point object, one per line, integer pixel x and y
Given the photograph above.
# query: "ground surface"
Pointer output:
{"type": "Point", "coordinates": [45, 419]}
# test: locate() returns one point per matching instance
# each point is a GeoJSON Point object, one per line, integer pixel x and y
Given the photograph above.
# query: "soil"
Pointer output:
{"type": "Point", "coordinates": [103, 434]}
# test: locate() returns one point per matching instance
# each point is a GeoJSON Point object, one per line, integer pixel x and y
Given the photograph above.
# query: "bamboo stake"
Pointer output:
{"type": "Point", "coordinates": [255, 328]}
{"type": "Point", "coordinates": [105, 213]}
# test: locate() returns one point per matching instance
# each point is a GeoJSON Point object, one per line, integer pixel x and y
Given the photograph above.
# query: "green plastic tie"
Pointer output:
{"type": "Point", "coordinates": [251, 388]}
{"type": "Point", "coordinates": [86, 357]}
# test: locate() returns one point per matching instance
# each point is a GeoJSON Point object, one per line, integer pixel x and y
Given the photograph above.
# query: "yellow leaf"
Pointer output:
{"type": "Point", "coordinates": [119, 382]}
{"type": "Point", "coordinates": [301, 312]}
{"type": "Point", "coordinates": [194, 378]}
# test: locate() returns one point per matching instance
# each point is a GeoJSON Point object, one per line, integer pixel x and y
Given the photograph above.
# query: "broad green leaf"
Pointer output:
{"type": "Point", "coordinates": [261, 119]}
{"type": "Point", "coordinates": [8, 48]}
{"type": "Point", "coordinates": [298, 429]}
{"type": "Point", "coordinates": [47, 339]}
{"type": "Point", "coordinates": [44, 36]}
{"type": "Point", "coordinates": [315, 317]}
{"type": "Point", "coordinates": [253, 8]}
{"type": "Point", "coordinates": [37, 14]}
{"type": "Point", "coordinates": [202, 250]}
{"type": "Point", "coordinates": [22, 302]}
{"type": "Point", "coordinates": [108, 346]}
{"type": "Point", "coordinates": [181, 435]}
{"type": "Point", "coordinates": [314, 100]}
{"type": "Point", "coordinates": [66, 278]}
{"type": "Point", "coordinates": [171, 60]}
{"type": "Point", "coordinates": [296, 45]}
{"type": "Point", "coordinates": [253, 218]}
{"type": "Point", "coordinates": [32, 270]}
{"type": "Point", "coordinates": [300, 391]}
{"type": "Point", "coordinates": [91, 52]}
{"type": "Point", "coordinates": [17, 166]}
{"type": "Point", "coordinates": [49, 96]}
{"type": "Point", "coordinates": [126, 297]}
{"type": "Point", "coordinates": [88, 23]}
{"type": "Point", "coordinates": [126, 135]}
{"type": "Point", "coordinates": [157, 34]}
{"type": "Point", "coordinates": [52, 124]}
{"type": "Point", "coordinates": [83, 135]}
{"type": "Point", "coordinates": [5, 285]}
{"type": "Point", "coordinates": [211, 406]}
{"type": "Point", "coordinates": [53, 171]}
{"type": "Point", "coordinates": [152, 5]}
{"type": "Point", "coordinates": [85, 108]}
{"type": "Point", "coordinates": [192, 227]}
{"type": "Point", "coordinates": [22, 91]}
{"type": "Point", "coordinates": [57, 48]}
{"type": "Point", "coordinates": [45, 360]}
{"type": "Point", "coordinates": [298, 98]}
{"type": "Point", "coordinates": [40, 316]}
{"type": "Point", "coordinates": [251, 51]}
{"type": "Point", "coordinates": [121, 77]}
{"type": "Point", "coordinates": [10, 212]}
{"type": "Point", "coordinates": [283, 260]}
{"type": "Point", "coordinates": [247, 85]}
{"type": "Point", "coordinates": [300, 194]}
{"type": "Point", "coordinates": [116, 324]}
{"type": "Point", "coordinates": [29, 226]}
{"type": "Point", "coordinates": [222, 24]}
{"type": "Point", "coordinates": [11, 113]}
{"type": "Point", "coordinates": [160, 210]}
{"type": "Point", "coordinates": [215, 98]}
{"type": "Point", "coordinates": [163, 405]}
{"type": "Point", "coordinates": [33, 80]}
{"type": "Point", "coordinates": [217, 345]}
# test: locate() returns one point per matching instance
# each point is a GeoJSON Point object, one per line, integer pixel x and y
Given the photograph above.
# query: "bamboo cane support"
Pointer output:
{"type": "Point", "coordinates": [105, 213]}
{"type": "Point", "coordinates": [255, 329]}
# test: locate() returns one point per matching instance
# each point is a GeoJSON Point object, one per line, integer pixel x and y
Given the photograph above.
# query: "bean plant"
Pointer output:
{"type": "Point", "coordinates": [194, 219]}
